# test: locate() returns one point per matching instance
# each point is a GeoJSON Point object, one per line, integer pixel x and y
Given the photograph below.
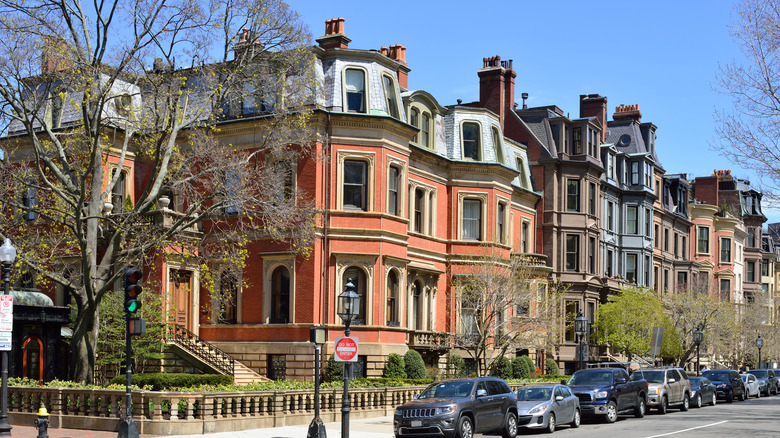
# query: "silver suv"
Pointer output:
{"type": "Point", "coordinates": [666, 387]}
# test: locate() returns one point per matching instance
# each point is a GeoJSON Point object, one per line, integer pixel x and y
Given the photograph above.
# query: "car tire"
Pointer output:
{"type": "Point", "coordinates": [510, 426]}
{"type": "Point", "coordinates": [465, 428]}
{"type": "Point", "coordinates": [758, 394]}
{"type": "Point", "coordinates": [664, 406]}
{"type": "Point", "coordinates": [696, 402]}
{"type": "Point", "coordinates": [714, 400]}
{"type": "Point", "coordinates": [612, 413]}
{"type": "Point", "coordinates": [550, 423]}
{"type": "Point", "coordinates": [640, 408]}
{"type": "Point", "coordinates": [742, 395]}
{"type": "Point", "coordinates": [575, 423]}
{"type": "Point", "coordinates": [730, 397]}
{"type": "Point", "coordinates": [686, 404]}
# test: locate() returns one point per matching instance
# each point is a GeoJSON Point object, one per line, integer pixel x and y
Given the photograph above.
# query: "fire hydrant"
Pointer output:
{"type": "Point", "coordinates": [42, 422]}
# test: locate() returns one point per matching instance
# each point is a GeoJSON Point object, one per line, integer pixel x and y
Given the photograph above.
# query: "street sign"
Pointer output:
{"type": "Point", "coordinates": [346, 349]}
{"type": "Point", "coordinates": [5, 341]}
{"type": "Point", "coordinates": [6, 313]}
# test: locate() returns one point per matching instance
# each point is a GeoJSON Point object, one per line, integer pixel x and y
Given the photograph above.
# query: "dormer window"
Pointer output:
{"type": "Point", "coordinates": [498, 151]}
{"type": "Point", "coordinates": [390, 96]}
{"type": "Point", "coordinates": [414, 120]}
{"type": "Point", "coordinates": [471, 146]}
{"type": "Point", "coordinates": [420, 118]}
{"type": "Point", "coordinates": [355, 86]}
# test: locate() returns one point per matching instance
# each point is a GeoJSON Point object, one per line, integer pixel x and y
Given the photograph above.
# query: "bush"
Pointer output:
{"type": "Point", "coordinates": [530, 364]}
{"type": "Point", "coordinates": [520, 368]}
{"type": "Point", "coordinates": [415, 366]}
{"type": "Point", "coordinates": [168, 381]}
{"type": "Point", "coordinates": [456, 365]}
{"type": "Point", "coordinates": [395, 367]}
{"type": "Point", "coordinates": [503, 368]}
{"type": "Point", "coordinates": [334, 371]}
{"type": "Point", "coordinates": [551, 367]}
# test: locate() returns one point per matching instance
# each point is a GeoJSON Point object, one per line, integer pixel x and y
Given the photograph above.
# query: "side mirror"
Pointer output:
{"type": "Point", "coordinates": [563, 382]}
{"type": "Point", "coordinates": [620, 380]}
{"type": "Point", "coordinates": [481, 393]}
{"type": "Point", "coordinates": [416, 396]}
{"type": "Point", "coordinates": [558, 398]}
{"type": "Point", "coordinates": [672, 380]}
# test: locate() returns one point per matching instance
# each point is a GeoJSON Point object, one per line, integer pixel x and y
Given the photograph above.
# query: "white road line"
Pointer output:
{"type": "Point", "coordinates": [686, 430]}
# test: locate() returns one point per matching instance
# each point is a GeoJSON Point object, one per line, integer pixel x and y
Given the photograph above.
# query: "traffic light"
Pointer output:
{"type": "Point", "coordinates": [133, 290]}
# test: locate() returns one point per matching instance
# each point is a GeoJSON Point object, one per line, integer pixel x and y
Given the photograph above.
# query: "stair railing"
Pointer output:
{"type": "Point", "coordinates": [203, 350]}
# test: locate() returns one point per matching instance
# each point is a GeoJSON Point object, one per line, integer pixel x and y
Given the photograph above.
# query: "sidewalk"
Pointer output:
{"type": "Point", "coordinates": [377, 427]}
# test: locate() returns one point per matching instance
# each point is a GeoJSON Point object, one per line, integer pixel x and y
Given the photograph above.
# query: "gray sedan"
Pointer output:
{"type": "Point", "coordinates": [546, 406]}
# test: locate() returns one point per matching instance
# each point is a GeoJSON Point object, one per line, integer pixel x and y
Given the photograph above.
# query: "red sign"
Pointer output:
{"type": "Point", "coordinates": [346, 349]}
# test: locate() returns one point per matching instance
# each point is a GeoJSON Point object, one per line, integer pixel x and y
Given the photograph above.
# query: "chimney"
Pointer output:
{"type": "Point", "coordinates": [54, 56]}
{"type": "Point", "coordinates": [705, 189]}
{"type": "Point", "coordinates": [594, 105]}
{"type": "Point", "coordinates": [397, 53]}
{"type": "Point", "coordinates": [334, 37]}
{"type": "Point", "coordinates": [627, 112]}
{"type": "Point", "coordinates": [497, 86]}
{"type": "Point", "coordinates": [525, 100]}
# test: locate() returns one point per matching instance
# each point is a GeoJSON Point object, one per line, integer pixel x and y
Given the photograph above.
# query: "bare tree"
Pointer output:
{"type": "Point", "coordinates": [147, 86]}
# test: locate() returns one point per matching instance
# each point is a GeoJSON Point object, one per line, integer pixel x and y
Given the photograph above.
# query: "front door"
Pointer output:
{"type": "Point", "coordinates": [180, 288]}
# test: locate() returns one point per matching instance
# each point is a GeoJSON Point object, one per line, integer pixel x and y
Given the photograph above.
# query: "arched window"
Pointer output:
{"type": "Point", "coordinates": [32, 359]}
{"type": "Point", "coordinates": [358, 278]}
{"type": "Point", "coordinates": [392, 299]}
{"type": "Point", "coordinates": [228, 296]}
{"type": "Point", "coordinates": [417, 306]}
{"type": "Point", "coordinates": [280, 296]}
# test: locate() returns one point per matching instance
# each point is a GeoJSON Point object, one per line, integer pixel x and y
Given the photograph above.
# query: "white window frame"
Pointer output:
{"type": "Point", "coordinates": [366, 97]}
{"type": "Point", "coordinates": [478, 146]}
{"type": "Point", "coordinates": [370, 159]}
{"type": "Point", "coordinates": [483, 197]}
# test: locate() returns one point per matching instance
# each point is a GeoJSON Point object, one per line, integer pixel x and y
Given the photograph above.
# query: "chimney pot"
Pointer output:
{"type": "Point", "coordinates": [525, 100]}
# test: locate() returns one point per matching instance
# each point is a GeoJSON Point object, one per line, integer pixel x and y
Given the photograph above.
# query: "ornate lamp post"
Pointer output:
{"type": "Point", "coordinates": [698, 338]}
{"type": "Point", "coordinates": [7, 258]}
{"type": "Point", "coordinates": [317, 427]}
{"type": "Point", "coordinates": [759, 345]}
{"type": "Point", "coordinates": [580, 328]}
{"type": "Point", "coordinates": [348, 308]}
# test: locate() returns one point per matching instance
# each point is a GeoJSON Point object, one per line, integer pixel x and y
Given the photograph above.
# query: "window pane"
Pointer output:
{"type": "Point", "coordinates": [355, 184]}
{"type": "Point", "coordinates": [392, 102]}
{"type": "Point", "coordinates": [414, 120]}
{"type": "Point", "coordinates": [471, 141]}
{"type": "Point", "coordinates": [572, 252]}
{"type": "Point", "coordinates": [392, 200]}
{"type": "Point", "coordinates": [355, 87]}
{"type": "Point", "coordinates": [631, 220]}
{"type": "Point", "coordinates": [424, 134]}
{"type": "Point", "coordinates": [471, 219]}
{"type": "Point", "coordinates": [573, 195]}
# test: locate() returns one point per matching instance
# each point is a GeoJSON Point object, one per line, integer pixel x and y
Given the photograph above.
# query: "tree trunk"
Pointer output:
{"type": "Point", "coordinates": [83, 346]}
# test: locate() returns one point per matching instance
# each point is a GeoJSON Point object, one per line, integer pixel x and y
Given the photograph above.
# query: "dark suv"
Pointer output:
{"type": "Point", "coordinates": [459, 408]}
{"type": "Point", "coordinates": [728, 384]}
{"type": "Point", "coordinates": [767, 381]}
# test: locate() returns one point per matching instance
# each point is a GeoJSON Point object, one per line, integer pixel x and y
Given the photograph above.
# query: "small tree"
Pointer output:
{"type": "Point", "coordinates": [520, 369]}
{"type": "Point", "coordinates": [334, 371]}
{"type": "Point", "coordinates": [395, 367]}
{"type": "Point", "coordinates": [415, 366]}
{"type": "Point", "coordinates": [503, 368]}
{"type": "Point", "coordinates": [456, 365]}
{"type": "Point", "coordinates": [551, 367]}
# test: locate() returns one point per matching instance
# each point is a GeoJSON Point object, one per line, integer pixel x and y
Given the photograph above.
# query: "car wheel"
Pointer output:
{"type": "Point", "coordinates": [775, 391]}
{"type": "Point", "coordinates": [612, 414]}
{"type": "Point", "coordinates": [639, 409]}
{"type": "Point", "coordinates": [510, 428]}
{"type": "Point", "coordinates": [686, 403]}
{"type": "Point", "coordinates": [696, 401]}
{"type": "Point", "coordinates": [730, 397]}
{"type": "Point", "coordinates": [664, 406]}
{"type": "Point", "coordinates": [743, 395]}
{"type": "Point", "coordinates": [758, 394]}
{"type": "Point", "coordinates": [575, 423]}
{"type": "Point", "coordinates": [551, 423]}
{"type": "Point", "coordinates": [465, 427]}
{"type": "Point", "coordinates": [714, 400]}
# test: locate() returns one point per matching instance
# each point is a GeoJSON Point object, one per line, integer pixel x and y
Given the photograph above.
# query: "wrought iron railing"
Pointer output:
{"type": "Point", "coordinates": [202, 350]}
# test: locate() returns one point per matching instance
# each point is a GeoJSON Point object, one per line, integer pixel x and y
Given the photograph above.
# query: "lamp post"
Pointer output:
{"type": "Point", "coordinates": [348, 309]}
{"type": "Point", "coordinates": [7, 257]}
{"type": "Point", "coordinates": [317, 427]}
{"type": "Point", "coordinates": [759, 345]}
{"type": "Point", "coordinates": [580, 327]}
{"type": "Point", "coordinates": [698, 338]}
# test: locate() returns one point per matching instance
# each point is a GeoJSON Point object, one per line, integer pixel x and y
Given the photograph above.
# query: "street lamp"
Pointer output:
{"type": "Point", "coordinates": [580, 328]}
{"type": "Point", "coordinates": [7, 258]}
{"type": "Point", "coordinates": [759, 345]}
{"type": "Point", "coordinates": [348, 308]}
{"type": "Point", "coordinates": [698, 338]}
{"type": "Point", "coordinates": [317, 427]}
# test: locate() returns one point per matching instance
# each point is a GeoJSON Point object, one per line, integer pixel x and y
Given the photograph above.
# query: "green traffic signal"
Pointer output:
{"type": "Point", "coordinates": [132, 290]}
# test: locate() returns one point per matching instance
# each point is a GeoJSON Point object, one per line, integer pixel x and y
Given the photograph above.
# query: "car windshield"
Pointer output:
{"type": "Point", "coordinates": [448, 389]}
{"type": "Point", "coordinates": [591, 378]}
{"type": "Point", "coordinates": [761, 374]}
{"type": "Point", "coordinates": [744, 377]}
{"type": "Point", "coordinates": [718, 376]}
{"type": "Point", "coordinates": [650, 376]}
{"type": "Point", "coordinates": [534, 394]}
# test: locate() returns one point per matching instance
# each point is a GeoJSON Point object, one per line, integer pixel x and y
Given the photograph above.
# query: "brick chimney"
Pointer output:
{"type": "Point", "coordinates": [397, 53]}
{"type": "Point", "coordinates": [594, 105]}
{"type": "Point", "coordinates": [705, 189]}
{"type": "Point", "coordinates": [55, 55]}
{"type": "Point", "coordinates": [627, 112]}
{"type": "Point", "coordinates": [497, 86]}
{"type": "Point", "coordinates": [334, 37]}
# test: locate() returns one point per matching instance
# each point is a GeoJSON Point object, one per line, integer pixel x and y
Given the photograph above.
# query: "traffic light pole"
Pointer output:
{"type": "Point", "coordinates": [128, 428]}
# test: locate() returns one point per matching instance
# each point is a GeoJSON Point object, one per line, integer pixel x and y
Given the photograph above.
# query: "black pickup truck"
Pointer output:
{"type": "Point", "coordinates": [609, 392]}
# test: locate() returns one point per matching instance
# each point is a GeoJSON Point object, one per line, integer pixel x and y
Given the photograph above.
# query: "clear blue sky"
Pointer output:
{"type": "Point", "coordinates": [662, 55]}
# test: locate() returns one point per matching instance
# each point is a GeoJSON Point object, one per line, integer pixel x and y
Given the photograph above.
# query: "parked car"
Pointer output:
{"type": "Point", "coordinates": [751, 385]}
{"type": "Point", "coordinates": [702, 391]}
{"type": "Point", "coordinates": [459, 408]}
{"type": "Point", "coordinates": [666, 387]}
{"type": "Point", "coordinates": [546, 406]}
{"type": "Point", "coordinates": [728, 384]}
{"type": "Point", "coordinates": [767, 380]}
{"type": "Point", "coordinates": [608, 392]}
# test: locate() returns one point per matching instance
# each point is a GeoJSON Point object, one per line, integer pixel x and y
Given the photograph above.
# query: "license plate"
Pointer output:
{"type": "Point", "coordinates": [416, 423]}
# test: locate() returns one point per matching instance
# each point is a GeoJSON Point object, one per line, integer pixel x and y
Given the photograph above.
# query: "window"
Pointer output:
{"type": "Point", "coordinates": [390, 96]}
{"type": "Point", "coordinates": [631, 219]}
{"type": "Point", "coordinates": [391, 314]}
{"type": "Point", "coordinates": [355, 185]}
{"type": "Point", "coordinates": [725, 250]}
{"type": "Point", "coordinates": [666, 239]}
{"type": "Point", "coordinates": [573, 195]}
{"type": "Point", "coordinates": [358, 278]}
{"type": "Point", "coordinates": [497, 150]}
{"type": "Point", "coordinates": [572, 308]}
{"type": "Point", "coordinates": [751, 240]}
{"type": "Point", "coordinates": [468, 317]}
{"type": "Point", "coordinates": [684, 248]}
{"type": "Point", "coordinates": [666, 279]}
{"type": "Point", "coordinates": [425, 127]}
{"type": "Point", "coordinates": [524, 237]}
{"type": "Point", "coordinates": [676, 246]}
{"type": "Point", "coordinates": [572, 252]}
{"type": "Point", "coordinates": [500, 218]}
{"type": "Point", "coordinates": [751, 271]}
{"type": "Point", "coordinates": [682, 280]}
{"type": "Point", "coordinates": [414, 120]}
{"type": "Point", "coordinates": [472, 215]}
{"type": "Point", "coordinates": [703, 236]}
{"type": "Point", "coordinates": [647, 272]}
{"type": "Point", "coordinates": [392, 188]}
{"type": "Point", "coordinates": [610, 256]}
{"type": "Point", "coordinates": [631, 268]}
{"type": "Point", "coordinates": [610, 216]}
{"type": "Point", "coordinates": [611, 166]}
{"type": "Point", "coordinates": [765, 268]}
{"type": "Point", "coordinates": [419, 200]}
{"type": "Point", "coordinates": [656, 237]}
{"type": "Point", "coordinates": [471, 146]}
{"type": "Point", "coordinates": [592, 199]}
{"type": "Point", "coordinates": [522, 174]}
{"type": "Point", "coordinates": [118, 193]}
{"type": "Point", "coordinates": [649, 176]}
{"type": "Point", "coordinates": [655, 278]}
{"type": "Point", "coordinates": [355, 86]}
{"type": "Point", "coordinates": [228, 296]}
{"type": "Point", "coordinates": [592, 255]}
{"type": "Point", "coordinates": [280, 296]}
{"type": "Point", "coordinates": [29, 200]}
{"type": "Point", "coordinates": [725, 289]}
{"type": "Point", "coordinates": [577, 141]}
{"type": "Point", "coordinates": [634, 172]}
{"type": "Point", "coordinates": [648, 221]}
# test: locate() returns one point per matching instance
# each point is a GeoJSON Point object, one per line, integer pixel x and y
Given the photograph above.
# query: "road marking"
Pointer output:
{"type": "Point", "coordinates": [686, 430]}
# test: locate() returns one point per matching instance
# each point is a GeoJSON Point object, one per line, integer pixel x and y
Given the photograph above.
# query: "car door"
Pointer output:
{"type": "Point", "coordinates": [483, 407]}
{"type": "Point", "coordinates": [621, 391]}
{"type": "Point", "coordinates": [673, 386]}
{"type": "Point", "coordinates": [571, 400]}
{"type": "Point", "coordinates": [562, 406]}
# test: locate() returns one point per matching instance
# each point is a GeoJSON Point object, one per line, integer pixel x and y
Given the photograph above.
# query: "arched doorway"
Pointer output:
{"type": "Point", "coordinates": [32, 359]}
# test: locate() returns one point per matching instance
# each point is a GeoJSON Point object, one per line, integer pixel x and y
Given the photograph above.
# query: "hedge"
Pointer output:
{"type": "Point", "coordinates": [167, 381]}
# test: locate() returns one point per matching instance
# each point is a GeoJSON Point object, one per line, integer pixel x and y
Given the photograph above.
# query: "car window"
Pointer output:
{"type": "Point", "coordinates": [504, 387]}
{"type": "Point", "coordinates": [494, 388]}
{"type": "Point", "coordinates": [482, 385]}
{"type": "Point", "coordinates": [558, 391]}
{"type": "Point", "coordinates": [761, 374]}
{"type": "Point", "coordinates": [650, 376]}
{"type": "Point", "coordinates": [684, 374]}
{"type": "Point", "coordinates": [448, 389]}
{"type": "Point", "coordinates": [622, 373]}
{"type": "Point", "coordinates": [771, 373]}
{"type": "Point", "coordinates": [565, 391]}
{"type": "Point", "coordinates": [534, 393]}
{"type": "Point", "coordinates": [591, 378]}
{"type": "Point", "coordinates": [718, 376]}
{"type": "Point", "coordinates": [734, 375]}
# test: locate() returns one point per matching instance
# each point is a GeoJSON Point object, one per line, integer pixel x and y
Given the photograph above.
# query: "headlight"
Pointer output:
{"type": "Point", "coordinates": [445, 409]}
{"type": "Point", "coordinates": [398, 412]}
{"type": "Point", "coordinates": [655, 390]}
{"type": "Point", "coordinates": [539, 409]}
{"type": "Point", "coordinates": [600, 394]}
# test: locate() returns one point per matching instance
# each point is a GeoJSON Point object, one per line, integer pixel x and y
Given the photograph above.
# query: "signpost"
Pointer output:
{"type": "Point", "coordinates": [346, 349]}
{"type": "Point", "coordinates": [6, 321]}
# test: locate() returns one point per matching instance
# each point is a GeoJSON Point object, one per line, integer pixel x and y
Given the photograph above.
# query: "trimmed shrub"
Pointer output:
{"type": "Point", "coordinates": [530, 364]}
{"type": "Point", "coordinates": [520, 368]}
{"type": "Point", "coordinates": [503, 368]}
{"type": "Point", "coordinates": [415, 366]}
{"type": "Point", "coordinates": [551, 367]}
{"type": "Point", "coordinates": [395, 367]}
{"type": "Point", "coordinates": [167, 381]}
{"type": "Point", "coordinates": [334, 371]}
{"type": "Point", "coordinates": [456, 365]}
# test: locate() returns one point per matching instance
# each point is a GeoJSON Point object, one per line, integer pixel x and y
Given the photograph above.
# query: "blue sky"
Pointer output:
{"type": "Point", "coordinates": [662, 55]}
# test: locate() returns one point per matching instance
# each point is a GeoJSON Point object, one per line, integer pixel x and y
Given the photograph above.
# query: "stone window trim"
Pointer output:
{"type": "Point", "coordinates": [126, 190]}
{"type": "Point", "coordinates": [401, 201]}
{"type": "Point", "coordinates": [370, 159]}
{"type": "Point", "coordinates": [392, 102]}
{"type": "Point", "coordinates": [483, 197]}
{"type": "Point", "coordinates": [424, 112]}
{"type": "Point", "coordinates": [428, 209]}
{"type": "Point", "coordinates": [478, 146]}
{"type": "Point", "coordinates": [364, 262]}
{"type": "Point", "coordinates": [270, 263]}
{"type": "Point", "coordinates": [217, 270]}
{"type": "Point", "coordinates": [399, 268]}
{"type": "Point", "coordinates": [195, 306]}
{"type": "Point", "coordinates": [366, 88]}
{"type": "Point", "coordinates": [428, 295]}
{"type": "Point", "coordinates": [527, 245]}
{"type": "Point", "coordinates": [721, 260]}
{"type": "Point", "coordinates": [504, 239]}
